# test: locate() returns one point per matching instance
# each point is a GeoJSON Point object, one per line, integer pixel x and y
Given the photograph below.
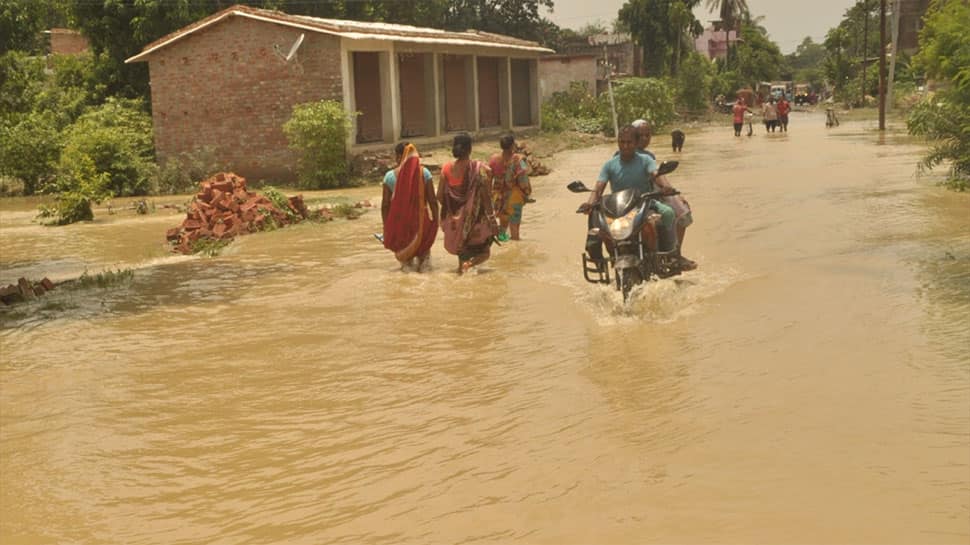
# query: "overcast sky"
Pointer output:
{"type": "Point", "coordinates": [787, 21]}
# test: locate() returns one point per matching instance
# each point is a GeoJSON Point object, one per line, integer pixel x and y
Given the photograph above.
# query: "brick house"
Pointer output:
{"type": "Point", "coordinates": [64, 41]}
{"type": "Point", "coordinates": [230, 81]}
{"type": "Point", "coordinates": [583, 62]}
{"type": "Point", "coordinates": [556, 72]}
{"type": "Point", "coordinates": [714, 43]}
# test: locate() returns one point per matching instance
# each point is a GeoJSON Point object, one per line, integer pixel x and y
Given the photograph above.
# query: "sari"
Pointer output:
{"type": "Point", "coordinates": [511, 186]}
{"type": "Point", "coordinates": [467, 216]}
{"type": "Point", "coordinates": [410, 230]}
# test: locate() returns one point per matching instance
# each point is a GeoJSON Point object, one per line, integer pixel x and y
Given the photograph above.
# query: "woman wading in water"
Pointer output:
{"type": "Point", "coordinates": [467, 217]}
{"type": "Point", "coordinates": [409, 210]}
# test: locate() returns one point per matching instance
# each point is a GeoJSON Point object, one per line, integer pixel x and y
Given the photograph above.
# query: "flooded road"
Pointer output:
{"type": "Point", "coordinates": [810, 383]}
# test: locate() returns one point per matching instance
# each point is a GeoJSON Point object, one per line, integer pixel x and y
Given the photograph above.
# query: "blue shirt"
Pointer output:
{"type": "Point", "coordinates": [633, 173]}
{"type": "Point", "coordinates": [391, 178]}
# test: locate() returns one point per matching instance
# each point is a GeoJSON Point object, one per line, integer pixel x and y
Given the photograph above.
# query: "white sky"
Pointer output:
{"type": "Point", "coordinates": [787, 21]}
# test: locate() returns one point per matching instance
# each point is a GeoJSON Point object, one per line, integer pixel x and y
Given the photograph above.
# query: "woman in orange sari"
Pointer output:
{"type": "Point", "coordinates": [411, 220]}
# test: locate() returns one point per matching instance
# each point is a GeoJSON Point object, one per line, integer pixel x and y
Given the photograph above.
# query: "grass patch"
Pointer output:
{"type": "Point", "coordinates": [209, 247]}
{"type": "Point", "coordinates": [104, 279]}
{"type": "Point", "coordinates": [347, 211]}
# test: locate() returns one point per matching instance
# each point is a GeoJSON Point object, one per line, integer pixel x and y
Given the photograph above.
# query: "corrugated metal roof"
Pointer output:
{"type": "Point", "coordinates": [352, 30]}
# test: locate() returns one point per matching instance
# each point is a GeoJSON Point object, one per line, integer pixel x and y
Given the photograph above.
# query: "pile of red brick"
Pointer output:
{"type": "Point", "coordinates": [24, 290]}
{"type": "Point", "coordinates": [223, 209]}
{"type": "Point", "coordinates": [536, 168]}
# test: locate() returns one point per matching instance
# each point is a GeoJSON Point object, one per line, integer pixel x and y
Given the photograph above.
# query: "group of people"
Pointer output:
{"type": "Point", "coordinates": [476, 203]}
{"type": "Point", "coordinates": [775, 115]}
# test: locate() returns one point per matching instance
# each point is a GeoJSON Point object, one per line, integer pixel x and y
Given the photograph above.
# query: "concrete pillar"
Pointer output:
{"type": "Point", "coordinates": [347, 75]}
{"type": "Point", "coordinates": [439, 93]}
{"type": "Point", "coordinates": [431, 94]}
{"type": "Point", "coordinates": [505, 93]}
{"type": "Point", "coordinates": [390, 96]}
{"type": "Point", "coordinates": [534, 89]}
{"type": "Point", "coordinates": [471, 75]}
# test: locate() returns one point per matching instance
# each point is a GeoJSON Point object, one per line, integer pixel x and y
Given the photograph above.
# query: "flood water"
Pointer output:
{"type": "Point", "coordinates": [809, 383]}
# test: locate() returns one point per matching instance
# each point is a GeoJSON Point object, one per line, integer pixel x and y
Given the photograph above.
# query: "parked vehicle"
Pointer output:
{"type": "Point", "coordinates": [627, 227]}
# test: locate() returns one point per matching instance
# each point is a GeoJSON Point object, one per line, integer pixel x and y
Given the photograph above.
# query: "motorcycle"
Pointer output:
{"type": "Point", "coordinates": [626, 225]}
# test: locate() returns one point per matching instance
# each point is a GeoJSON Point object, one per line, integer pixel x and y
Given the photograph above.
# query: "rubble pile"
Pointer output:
{"type": "Point", "coordinates": [223, 209]}
{"type": "Point", "coordinates": [536, 168]}
{"type": "Point", "coordinates": [24, 290]}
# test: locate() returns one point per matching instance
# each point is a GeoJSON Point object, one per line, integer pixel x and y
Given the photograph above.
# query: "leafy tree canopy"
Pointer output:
{"type": "Point", "coordinates": [660, 27]}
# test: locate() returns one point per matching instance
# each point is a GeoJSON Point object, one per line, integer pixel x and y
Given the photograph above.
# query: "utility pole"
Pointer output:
{"type": "Point", "coordinates": [892, 62]}
{"type": "Point", "coordinates": [865, 47]}
{"type": "Point", "coordinates": [599, 39]}
{"type": "Point", "coordinates": [882, 65]}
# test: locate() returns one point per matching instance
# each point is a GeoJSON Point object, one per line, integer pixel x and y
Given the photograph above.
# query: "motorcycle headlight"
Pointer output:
{"type": "Point", "coordinates": [622, 227]}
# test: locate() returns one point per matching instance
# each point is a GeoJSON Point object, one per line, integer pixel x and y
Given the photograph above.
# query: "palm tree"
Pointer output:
{"type": "Point", "coordinates": [731, 13]}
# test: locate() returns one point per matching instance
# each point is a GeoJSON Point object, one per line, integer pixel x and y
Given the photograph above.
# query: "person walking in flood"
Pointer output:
{"type": "Point", "coordinates": [783, 109]}
{"type": "Point", "coordinates": [467, 216]}
{"type": "Point", "coordinates": [510, 187]}
{"type": "Point", "coordinates": [770, 113]}
{"type": "Point", "coordinates": [738, 110]}
{"type": "Point", "coordinates": [409, 209]}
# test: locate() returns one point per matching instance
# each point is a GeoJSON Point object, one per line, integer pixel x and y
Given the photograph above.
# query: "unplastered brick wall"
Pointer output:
{"type": "Point", "coordinates": [67, 42]}
{"type": "Point", "coordinates": [226, 87]}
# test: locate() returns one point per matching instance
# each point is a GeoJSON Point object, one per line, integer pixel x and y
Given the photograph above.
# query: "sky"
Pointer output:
{"type": "Point", "coordinates": [787, 21]}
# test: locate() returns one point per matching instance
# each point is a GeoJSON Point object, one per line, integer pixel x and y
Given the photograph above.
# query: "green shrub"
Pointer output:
{"type": "Point", "coordinates": [117, 137]}
{"type": "Point", "coordinates": [183, 173]}
{"type": "Point", "coordinates": [693, 84]}
{"type": "Point", "coordinates": [638, 98]}
{"type": "Point", "coordinates": [281, 201]}
{"type": "Point", "coordinates": [947, 124]}
{"type": "Point", "coordinates": [574, 109]}
{"type": "Point", "coordinates": [945, 119]}
{"type": "Point", "coordinates": [727, 83]}
{"type": "Point", "coordinates": [85, 186]}
{"type": "Point", "coordinates": [318, 131]}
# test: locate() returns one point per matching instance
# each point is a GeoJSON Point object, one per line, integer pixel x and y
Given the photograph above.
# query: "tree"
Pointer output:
{"type": "Point", "coordinates": [945, 119]}
{"type": "Point", "coordinates": [22, 21]}
{"type": "Point", "coordinates": [659, 26]}
{"type": "Point", "coordinates": [838, 67]}
{"type": "Point", "coordinates": [758, 58]}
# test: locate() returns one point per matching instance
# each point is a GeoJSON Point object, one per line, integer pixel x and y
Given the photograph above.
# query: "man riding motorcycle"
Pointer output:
{"type": "Point", "coordinates": [629, 169]}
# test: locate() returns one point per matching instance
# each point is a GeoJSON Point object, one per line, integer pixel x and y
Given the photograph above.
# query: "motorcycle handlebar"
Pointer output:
{"type": "Point", "coordinates": [653, 195]}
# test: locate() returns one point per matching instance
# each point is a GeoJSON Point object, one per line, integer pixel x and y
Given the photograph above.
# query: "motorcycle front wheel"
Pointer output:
{"type": "Point", "coordinates": [626, 279]}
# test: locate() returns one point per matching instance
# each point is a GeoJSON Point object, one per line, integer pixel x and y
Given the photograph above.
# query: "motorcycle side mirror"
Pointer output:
{"type": "Point", "coordinates": [667, 167]}
{"type": "Point", "coordinates": [577, 187]}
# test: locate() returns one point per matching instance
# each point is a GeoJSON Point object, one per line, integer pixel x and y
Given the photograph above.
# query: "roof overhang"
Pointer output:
{"type": "Point", "coordinates": [426, 40]}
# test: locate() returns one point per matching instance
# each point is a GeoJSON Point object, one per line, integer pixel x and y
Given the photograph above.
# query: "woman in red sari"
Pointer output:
{"type": "Point", "coordinates": [411, 220]}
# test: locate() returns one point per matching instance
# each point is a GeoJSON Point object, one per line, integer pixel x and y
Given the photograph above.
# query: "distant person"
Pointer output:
{"type": "Point", "coordinates": [677, 138]}
{"type": "Point", "coordinates": [510, 187]}
{"type": "Point", "coordinates": [409, 209]}
{"type": "Point", "coordinates": [783, 109]}
{"type": "Point", "coordinates": [738, 110]}
{"type": "Point", "coordinates": [749, 119]}
{"type": "Point", "coordinates": [770, 113]}
{"type": "Point", "coordinates": [831, 120]}
{"type": "Point", "coordinates": [467, 217]}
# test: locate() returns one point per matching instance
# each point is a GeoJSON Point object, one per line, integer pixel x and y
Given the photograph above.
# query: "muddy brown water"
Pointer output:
{"type": "Point", "coordinates": [810, 383]}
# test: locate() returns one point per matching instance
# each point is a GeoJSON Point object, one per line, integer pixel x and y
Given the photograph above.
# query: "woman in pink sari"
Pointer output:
{"type": "Point", "coordinates": [411, 220]}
